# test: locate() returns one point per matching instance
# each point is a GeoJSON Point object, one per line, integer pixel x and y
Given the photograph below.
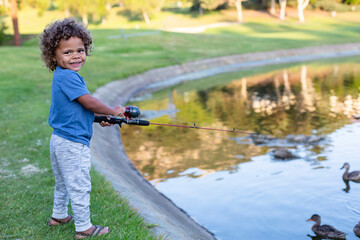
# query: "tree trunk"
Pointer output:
{"type": "Point", "coordinates": [15, 22]}
{"type": "Point", "coordinates": [5, 4]}
{"type": "Point", "coordinates": [108, 6]}
{"type": "Point", "coordinates": [201, 10]}
{"type": "Point", "coordinates": [287, 88]}
{"type": "Point", "coordinates": [277, 91]}
{"type": "Point", "coordinates": [239, 10]}
{"type": "Point", "coordinates": [67, 13]}
{"type": "Point", "coordinates": [282, 9]}
{"type": "Point", "coordinates": [307, 92]}
{"type": "Point", "coordinates": [160, 5]}
{"type": "Point", "coordinates": [301, 6]}
{"type": "Point", "coordinates": [85, 19]}
{"type": "Point", "coordinates": [288, 97]}
{"type": "Point", "coordinates": [300, 11]}
{"type": "Point", "coordinates": [243, 89]}
{"type": "Point", "coordinates": [272, 7]}
{"type": "Point", "coordinates": [146, 18]}
{"type": "Point", "coordinates": [264, 3]}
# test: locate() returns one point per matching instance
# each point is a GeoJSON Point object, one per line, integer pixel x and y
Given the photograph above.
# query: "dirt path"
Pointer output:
{"type": "Point", "coordinates": [110, 159]}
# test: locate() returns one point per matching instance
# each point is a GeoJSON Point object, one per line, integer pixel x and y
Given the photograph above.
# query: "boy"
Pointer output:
{"type": "Point", "coordinates": [64, 45]}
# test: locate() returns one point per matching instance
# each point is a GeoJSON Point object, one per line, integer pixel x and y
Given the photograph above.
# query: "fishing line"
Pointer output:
{"type": "Point", "coordinates": [133, 112]}
{"type": "Point", "coordinates": [203, 128]}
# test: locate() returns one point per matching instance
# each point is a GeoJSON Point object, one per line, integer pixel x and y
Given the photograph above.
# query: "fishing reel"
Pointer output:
{"type": "Point", "coordinates": [131, 112]}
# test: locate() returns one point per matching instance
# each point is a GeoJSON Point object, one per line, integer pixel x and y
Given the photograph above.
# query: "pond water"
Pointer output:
{"type": "Point", "coordinates": [235, 187]}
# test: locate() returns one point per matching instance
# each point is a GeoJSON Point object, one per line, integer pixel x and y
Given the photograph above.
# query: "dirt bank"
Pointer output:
{"type": "Point", "coordinates": [110, 159]}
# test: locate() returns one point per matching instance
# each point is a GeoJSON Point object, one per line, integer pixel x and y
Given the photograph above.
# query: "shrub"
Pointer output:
{"type": "Point", "coordinates": [328, 5]}
{"type": "Point", "coordinates": [3, 27]}
{"type": "Point", "coordinates": [352, 2]}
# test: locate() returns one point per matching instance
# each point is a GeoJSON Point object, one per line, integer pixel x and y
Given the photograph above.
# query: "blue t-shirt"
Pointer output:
{"type": "Point", "coordinates": [67, 116]}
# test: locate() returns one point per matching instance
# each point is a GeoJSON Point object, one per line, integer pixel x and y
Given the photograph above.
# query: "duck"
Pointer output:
{"type": "Point", "coordinates": [350, 176]}
{"type": "Point", "coordinates": [357, 229]}
{"type": "Point", "coordinates": [325, 231]}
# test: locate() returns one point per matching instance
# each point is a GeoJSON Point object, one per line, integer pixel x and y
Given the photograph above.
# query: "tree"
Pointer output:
{"type": "Point", "coordinates": [238, 6]}
{"type": "Point", "coordinates": [201, 5]}
{"type": "Point", "coordinates": [144, 7]}
{"type": "Point", "coordinates": [272, 7]}
{"type": "Point", "coordinates": [211, 4]}
{"type": "Point", "coordinates": [4, 4]}
{"type": "Point", "coordinates": [196, 6]}
{"type": "Point", "coordinates": [83, 8]}
{"type": "Point", "coordinates": [13, 9]}
{"type": "Point", "coordinates": [301, 6]}
{"type": "Point", "coordinates": [282, 9]}
{"type": "Point", "coordinates": [66, 6]}
{"type": "Point", "coordinates": [352, 2]}
{"type": "Point", "coordinates": [40, 5]}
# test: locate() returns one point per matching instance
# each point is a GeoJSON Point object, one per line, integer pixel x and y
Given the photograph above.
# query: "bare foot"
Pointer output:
{"type": "Point", "coordinates": [95, 230]}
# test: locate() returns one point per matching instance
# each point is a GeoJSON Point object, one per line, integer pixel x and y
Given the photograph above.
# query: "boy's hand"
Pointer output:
{"type": "Point", "coordinates": [119, 110]}
{"type": "Point", "coordinates": [106, 124]}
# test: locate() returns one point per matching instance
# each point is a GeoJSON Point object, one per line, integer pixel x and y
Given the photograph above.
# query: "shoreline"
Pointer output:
{"type": "Point", "coordinates": [110, 159]}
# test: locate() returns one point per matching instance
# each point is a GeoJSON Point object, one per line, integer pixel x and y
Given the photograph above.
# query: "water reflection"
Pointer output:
{"type": "Point", "coordinates": [289, 101]}
{"type": "Point", "coordinates": [240, 190]}
{"type": "Point", "coordinates": [347, 188]}
{"type": "Point", "coordinates": [315, 237]}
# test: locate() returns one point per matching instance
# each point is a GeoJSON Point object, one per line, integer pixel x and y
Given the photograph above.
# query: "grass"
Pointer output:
{"type": "Point", "coordinates": [26, 180]}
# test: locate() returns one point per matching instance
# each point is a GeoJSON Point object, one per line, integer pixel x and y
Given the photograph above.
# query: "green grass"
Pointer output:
{"type": "Point", "coordinates": [25, 86]}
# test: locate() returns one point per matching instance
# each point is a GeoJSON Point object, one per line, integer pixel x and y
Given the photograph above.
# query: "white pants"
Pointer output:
{"type": "Point", "coordinates": [71, 165]}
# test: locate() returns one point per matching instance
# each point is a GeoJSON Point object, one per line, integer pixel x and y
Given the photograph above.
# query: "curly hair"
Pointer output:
{"type": "Point", "coordinates": [55, 32]}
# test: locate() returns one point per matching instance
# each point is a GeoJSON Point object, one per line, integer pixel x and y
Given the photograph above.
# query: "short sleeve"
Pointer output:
{"type": "Point", "coordinates": [73, 86]}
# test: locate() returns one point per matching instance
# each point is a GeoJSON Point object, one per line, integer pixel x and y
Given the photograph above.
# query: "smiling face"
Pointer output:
{"type": "Point", "coordinates": [70, 54]}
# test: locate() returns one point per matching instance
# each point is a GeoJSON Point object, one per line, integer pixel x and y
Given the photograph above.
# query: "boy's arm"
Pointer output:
{"type": "Point", "coordinates": [95, 105]}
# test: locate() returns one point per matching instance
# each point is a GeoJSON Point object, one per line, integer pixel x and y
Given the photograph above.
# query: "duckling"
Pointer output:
{"type": "Point", "coordinates": [357, 229]}
{"type": "Point", "coordinates": [350, 176]}
{"type": "Point", "coordinates": [325, 231]}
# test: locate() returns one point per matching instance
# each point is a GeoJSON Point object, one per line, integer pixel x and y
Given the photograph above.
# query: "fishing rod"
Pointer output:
{"type": "Point", "coordinates": [133, 112]}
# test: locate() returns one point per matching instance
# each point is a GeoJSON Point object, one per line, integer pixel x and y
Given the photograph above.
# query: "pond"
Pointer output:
{"type": "Point", "coordinates": [232, 184]}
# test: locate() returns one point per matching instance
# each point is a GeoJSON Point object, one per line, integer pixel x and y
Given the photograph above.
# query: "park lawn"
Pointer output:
{"type": "Point", "coordinates": [26, 180]}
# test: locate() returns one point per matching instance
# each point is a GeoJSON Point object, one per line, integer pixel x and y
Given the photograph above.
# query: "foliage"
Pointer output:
{"type": "Point", "coordinates": [293, 3]}
{"type": "Point", "coordinates": [328, 5]}
{"type": "Point", "coordinates": [256, 4]}
{"type": "Point", "coordinates": [3, 10]}
{"type": "Point", "coordinates": [196, 5]}
{"type": "Point", "coordinates": [3, 27]}
{"type": "Point", "coordinates": [40, 5]}
{"type": "Point", "coordinates": [140, 6]}
{"type": "Point", "coordinates": [352, 2]}
{"type": "Point", "coordinates": [209, 5]}
{"type": "Point", "coordinates": [95, 9]}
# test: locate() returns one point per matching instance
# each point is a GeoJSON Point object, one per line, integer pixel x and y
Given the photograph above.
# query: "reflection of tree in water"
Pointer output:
{"type": "Point", "coordinates": [308, 95]}
{"type": "Point", "coordinates": [294, 101]}
{"type": "Point", "coordinates": [164, 152]}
